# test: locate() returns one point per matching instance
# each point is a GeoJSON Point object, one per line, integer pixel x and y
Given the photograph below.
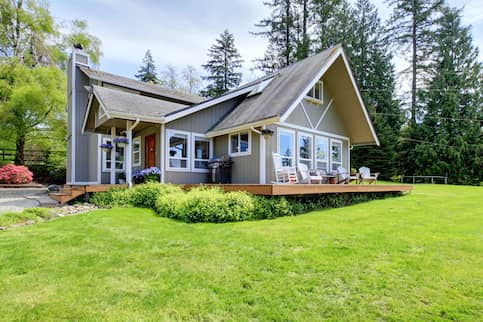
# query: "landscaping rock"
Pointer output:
{"type": "Point", "coordinates": [70, 210]}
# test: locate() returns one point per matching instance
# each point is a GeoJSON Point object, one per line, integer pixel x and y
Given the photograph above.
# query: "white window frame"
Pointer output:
{"type": "Point", "coordinates": [193, 152]}
{"type": "Point", "coordinates": [169, 134]}
{"type": "Point", "coordinates": [326, 160]}
{"type": "Point", "coordinates": [104, 157]}
{"type": "Point", "coordinates": [320, 100]}
{"type": "Point", "coordinates": [332, 162]}
{"type": "Point", "coordinates": [137, 164]}
{"type": "Point", "coordinates": [294, 152]}
{"type": "Point", "coordinates": [311, 158]}
{"type": "Point", "coordinates": [238, 154]}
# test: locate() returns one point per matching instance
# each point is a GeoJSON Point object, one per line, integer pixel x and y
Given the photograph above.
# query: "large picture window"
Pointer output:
{"type": "Point", "coordinates": [178, 151]}
{"type": "Point", "coordinates": [286, 147]}
{"type": "Point", "coordinates": [136, 152]}
{"type": "Point", "coordinates": [201, 153]}
{"type": "Point", "coordinates": [322, 153]}
{"type": "Point", "coordinates": [305, 142]}
{"type": "Point", "coordinates": [106, 158]}
{"type": "Point", "coordinates": [239, 143]}
{"type": "Point", "coordinates": [336, 154]}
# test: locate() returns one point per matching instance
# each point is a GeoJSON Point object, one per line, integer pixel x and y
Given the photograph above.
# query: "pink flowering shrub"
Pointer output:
{"type": "Point", "coordinates": [15, 174]}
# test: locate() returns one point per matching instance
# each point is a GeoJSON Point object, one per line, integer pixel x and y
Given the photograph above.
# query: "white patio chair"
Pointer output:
{"type": "Point", "coordinates": [366, 175]}
{"type": "Point", "coordinates": [306, 176]}
{"type": "Point", "coordinates": [345, 177]}
{"type": "Point", "coordinates": [283, 174]}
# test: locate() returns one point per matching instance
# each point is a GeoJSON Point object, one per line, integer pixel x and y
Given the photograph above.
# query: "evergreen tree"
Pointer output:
{"type": "Point", "coordinates": [147, 72]}
{"type": "Point", "coordinates": [453, 103]}
{"type": "Point", "coordinates": [223, 66]}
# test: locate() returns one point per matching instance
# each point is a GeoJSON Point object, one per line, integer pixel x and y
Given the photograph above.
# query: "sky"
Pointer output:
{"type": "Point", "coordinates": [180, 32]}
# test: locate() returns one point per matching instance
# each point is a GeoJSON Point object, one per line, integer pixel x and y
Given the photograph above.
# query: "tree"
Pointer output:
{"type": "Point", "coordinates": [78, 35]}
{"type": "Point", "coordinates": [223, 66]}
{"type": "Point", "coordinates": [191, 79]}
{"type": "Point", "coordinates": [30, 98]}
{"type": "Point", "coordinates": [170, 77]}
{"type": "Point", "coordinates": [451, 137]}
{"type": "Point", "coordinates": [147, 71]}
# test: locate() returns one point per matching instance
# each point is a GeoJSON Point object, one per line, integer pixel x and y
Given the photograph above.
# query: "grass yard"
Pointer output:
{"type": "Point", "coordinates": [417, 257]}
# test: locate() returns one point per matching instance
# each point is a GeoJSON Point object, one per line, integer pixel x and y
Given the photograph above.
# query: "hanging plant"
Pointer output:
{"type": "Point", "coordinates": [106, 147]}
{"type": "Point", "coordinates": [121, 141]}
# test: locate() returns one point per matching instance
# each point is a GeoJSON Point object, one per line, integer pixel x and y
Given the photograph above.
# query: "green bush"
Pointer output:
{"type": "Point", "coordinates": [272, 207]}
{"type": "Point", "coordinates": [145, 195]}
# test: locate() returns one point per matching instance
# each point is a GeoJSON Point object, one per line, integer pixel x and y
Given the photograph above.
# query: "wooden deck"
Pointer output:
{"type": "Point", "coordinates": [306, 189]}
{"type": "Point", "coordinates": [70, 192]}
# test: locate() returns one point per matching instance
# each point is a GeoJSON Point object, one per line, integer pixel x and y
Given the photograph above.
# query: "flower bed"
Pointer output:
{"type": "Point", "coordinates": [15, 174]}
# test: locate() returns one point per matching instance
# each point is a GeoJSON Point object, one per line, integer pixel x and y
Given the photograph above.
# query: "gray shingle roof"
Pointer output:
{"type": "Point", "coordinates": [287, 84]}
{"type": "Point", "coordinates": [140, 86]}
{"type": "Point", "coordinates": [122, 103]}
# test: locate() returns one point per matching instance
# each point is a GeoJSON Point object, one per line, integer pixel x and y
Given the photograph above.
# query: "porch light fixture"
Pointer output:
{"type": "Point", "coordinates": [267, 133]}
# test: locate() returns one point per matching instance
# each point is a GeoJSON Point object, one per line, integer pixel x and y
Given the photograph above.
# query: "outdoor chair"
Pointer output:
{"type": "Point", "coordinates": [345, 177]}
{"type": "Point", "coordinates": [283, 174]}
{"type": "Point", "coordinates": [306, 176]}
{"type": "Point", "coordinates": [366, 175]}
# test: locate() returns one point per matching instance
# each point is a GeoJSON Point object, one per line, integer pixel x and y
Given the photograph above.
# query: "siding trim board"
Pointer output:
{"type": "Point", "coordinates": [324, 113]}
{"type": "Point", "coordinates": [314, 131]}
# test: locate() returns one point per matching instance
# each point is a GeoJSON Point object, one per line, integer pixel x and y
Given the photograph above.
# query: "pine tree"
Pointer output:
{"type": "Point", "coordinates": [453, 102]}
{"type": "Point", "coordinates": [223, 66]}
{"type": "Point", "coordinates": [147, 72]}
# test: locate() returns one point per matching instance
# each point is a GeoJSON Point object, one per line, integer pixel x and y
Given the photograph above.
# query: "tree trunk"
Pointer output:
{"type": "Point", "coordinates": [414, 69]}
{"type": "Point", "coordinates": [19, 152]}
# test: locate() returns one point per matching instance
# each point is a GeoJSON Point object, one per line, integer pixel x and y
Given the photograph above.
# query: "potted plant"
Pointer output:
{"type": "Point", "coordinates": [106, 146]}
{"type": "Point", "coordinates": [121, 141]}
{"type": "Point", "coordinates": [121, 177]}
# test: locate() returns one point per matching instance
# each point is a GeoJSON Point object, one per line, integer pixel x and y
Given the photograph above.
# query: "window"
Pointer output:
{"type": "Point", "coordinates": [336, 154]}
{"type": "Point", "coordinates": [239, 143]}
{"type": "Point", "coordinates": [322, 153]}
{"type": "Point", "coordinates": [178, 158]}
{"type": "Point", "coordinates": [106, 158]}
{"type": "Point", "coordinates": [305, 142]}
{"type": "Point", "coordinates": [317, 92]}
{"type": "Point", "coordinates": [286, 147]}
{"type": "Point", "coordinates": [201, 153]}
{"type": "Point", "coordinates": [136, 152]}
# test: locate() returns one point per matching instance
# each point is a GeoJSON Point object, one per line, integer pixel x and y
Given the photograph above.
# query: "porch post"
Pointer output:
{"type": "Point", "coordinates": [113, 156]}
{"type": "Point", "coordinates": [129, 153]}
{"type": "Point", "coordinates": [162, 153]}
{"type": "Point", "coordinates": [263, 163]}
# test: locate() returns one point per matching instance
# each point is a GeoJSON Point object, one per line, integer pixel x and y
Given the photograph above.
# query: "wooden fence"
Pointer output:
{"type": "Point", "coordinates": [31, 157]}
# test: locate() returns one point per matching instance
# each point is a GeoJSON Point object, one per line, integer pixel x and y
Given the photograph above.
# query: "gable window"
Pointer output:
{"type": "Point", "coordinates": [336, 154]}
{"type": "Point", "coordinates": [201, 153]}
{"type": "Point", "coordinates": [239, 143]}
{"type": "Point", "coordinates": [136, 152]}
{"type": "Point", "coordinates": [322, 153]}
{"type": "Point", "coordinates": [305, 142]}
{"type": "Point", "coordinates": [286, 147]}
{"type": "Point", "coordinates": [106, 158]}
{"type": "Point", "coordinates": [317, 92]}
{"type": "Point", "coordinates": [178, 147]}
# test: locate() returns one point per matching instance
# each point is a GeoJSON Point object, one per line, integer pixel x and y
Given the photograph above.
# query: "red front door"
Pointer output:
{"type": "Point", "coordinates": [150, 151]}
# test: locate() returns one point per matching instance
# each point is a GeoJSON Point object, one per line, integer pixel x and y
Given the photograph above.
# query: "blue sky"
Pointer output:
{"type": "Point", "coordinates": [180, 32]}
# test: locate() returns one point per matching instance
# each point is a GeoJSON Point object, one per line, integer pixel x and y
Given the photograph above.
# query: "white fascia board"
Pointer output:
{"type": "Point", "coordinates": [246, 126]}
{"type": "Point", "coordinates": [202, 106]}
{"type": "Point", "coordinates": [292, 107]}
{"type": "Point", "coordinates": [364, 110]}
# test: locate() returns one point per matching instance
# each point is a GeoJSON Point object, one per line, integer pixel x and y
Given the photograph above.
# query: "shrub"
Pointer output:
{"type": "Point", "coordinates": [15, 174]}
{"type": "Point", "coordinates": [145, 195]}
{"type": "Point", "coordinates": [152, 174]}
{"type": "Point", "coordinates": [272, 207]}
{"type": "Point", "coordinates": [114, 197]}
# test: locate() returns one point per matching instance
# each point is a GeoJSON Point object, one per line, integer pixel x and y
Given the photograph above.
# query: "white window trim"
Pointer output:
{"type": "Point", "coordinates": [332, 162]}
{"type": "Point", "coordinates": [104, 158]}
{"type": "Point", "coordinates": [169, 133]}
{"type": "Point", "coordinates": [292, 133]}
{"type": "Point", "coordinates": [326, 160]}
{"type": "Point", "coordinates": [239, 154]}
{"type": "Point", "coordinates": [311, 159]}
{"type": "Point", "coordinates": [137, 164]}
{"type": "Point", "coordinates": [193, 152]}
{"type": "Point", "coordinates": [313, 98]}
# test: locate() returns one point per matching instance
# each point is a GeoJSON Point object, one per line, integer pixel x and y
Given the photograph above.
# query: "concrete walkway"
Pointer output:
{"type": "Point", "coordinates": [17, 199]}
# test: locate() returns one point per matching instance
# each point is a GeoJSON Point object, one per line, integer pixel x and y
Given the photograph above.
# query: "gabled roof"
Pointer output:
{"type": "Point", "coordinates": [119, 104]}
{"type": "Point", "coordinates": [141, 86]}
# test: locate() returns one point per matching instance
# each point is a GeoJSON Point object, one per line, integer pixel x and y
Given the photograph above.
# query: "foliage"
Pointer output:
{"type": "Point", "coordinates": [152, 174]}
{"type": "Point", "coordinates": [78, 35]}
{"type": "Point", "coordinates": [145, 195]}
{"type": "Point", "coordinates": [223, 66]}
{"type": "Point", "coordinates": [147, 72]}
{"type": "Point", "coordinates": [35, 214]}
{"type": "Point", "coordinates": [191, 78]}
{"type": "Point", "coordinates": [15, 174]}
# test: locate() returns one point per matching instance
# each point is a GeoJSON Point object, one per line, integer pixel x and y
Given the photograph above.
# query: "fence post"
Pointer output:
{"type": "Point", "coordinates": [414, 179]}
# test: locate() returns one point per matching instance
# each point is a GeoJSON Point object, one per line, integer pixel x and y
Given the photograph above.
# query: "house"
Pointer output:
{"type": "Point", "coordinates": [310, 112]}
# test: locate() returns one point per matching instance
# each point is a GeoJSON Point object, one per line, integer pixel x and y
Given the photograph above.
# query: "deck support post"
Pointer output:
{"type": "Point", "coordinates": [113, 156]}
{"type": "Point", "coordinates": [129, 153]}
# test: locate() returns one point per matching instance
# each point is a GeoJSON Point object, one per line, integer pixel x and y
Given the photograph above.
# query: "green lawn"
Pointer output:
{"type": "Point", "coordinates": [417, 257]}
